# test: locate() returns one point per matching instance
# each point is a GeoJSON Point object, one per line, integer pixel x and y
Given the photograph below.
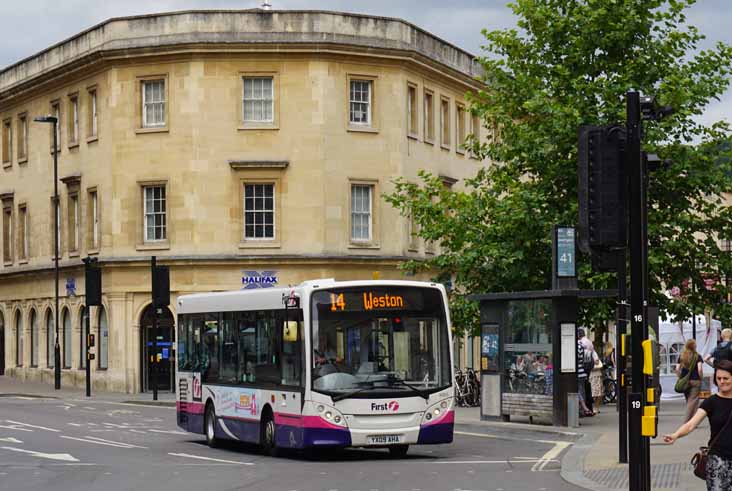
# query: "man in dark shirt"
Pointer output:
{"type": "Point", "coordinates": [723, 351]}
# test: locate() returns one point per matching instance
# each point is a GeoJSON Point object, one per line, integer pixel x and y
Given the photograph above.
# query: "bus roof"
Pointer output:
{"type": "Point", "coordinates": [272, 298]}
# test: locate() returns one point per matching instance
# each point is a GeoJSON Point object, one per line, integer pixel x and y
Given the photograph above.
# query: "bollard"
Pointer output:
{"type": "Point", "coordinates": [572, 410]}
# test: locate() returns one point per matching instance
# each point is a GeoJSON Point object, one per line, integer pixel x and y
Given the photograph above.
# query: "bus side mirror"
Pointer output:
{"type": "Point", "coordinates": [289, 331]}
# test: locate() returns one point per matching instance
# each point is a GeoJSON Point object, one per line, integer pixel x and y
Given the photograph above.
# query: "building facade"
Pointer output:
{"type": "Point", "coordinates": [241, 148]}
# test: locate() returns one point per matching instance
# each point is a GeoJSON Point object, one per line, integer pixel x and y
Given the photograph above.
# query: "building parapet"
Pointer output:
{"type": "Point", "coordinates": [238, 27]}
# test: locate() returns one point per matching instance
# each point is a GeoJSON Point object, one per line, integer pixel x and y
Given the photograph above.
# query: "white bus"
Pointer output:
{"type": "Point", "coordinates": [322, 364]}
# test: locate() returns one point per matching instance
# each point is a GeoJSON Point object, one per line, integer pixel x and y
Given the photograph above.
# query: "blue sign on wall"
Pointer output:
{"type": "Point", "coordinates": [259, 279]}
{"type": "Point", "coordinates": [71, 286]}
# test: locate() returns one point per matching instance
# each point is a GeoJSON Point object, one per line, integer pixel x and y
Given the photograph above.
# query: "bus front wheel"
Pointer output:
{"type": "Point", "coordinates": [269, 444]}
{"type": "Point", "coordinates": [399, 451]}
{"type": "Point", "coordinates": [210, 426]}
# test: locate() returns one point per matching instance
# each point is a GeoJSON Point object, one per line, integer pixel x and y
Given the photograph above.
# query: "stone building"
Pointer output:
{"type": "Point", "coordinates": [238, 147]}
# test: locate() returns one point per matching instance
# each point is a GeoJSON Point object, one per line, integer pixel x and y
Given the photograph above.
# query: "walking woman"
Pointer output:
{"type": "Point", "coordinates": [718, 408]}
{"type": "Point", "coordinates": [596, 383]}
{"type": "Point", "coordinates": [691, 361]}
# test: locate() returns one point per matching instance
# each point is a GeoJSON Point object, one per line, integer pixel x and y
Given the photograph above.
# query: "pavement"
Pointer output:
{"type": "Point", "coordinates": [590, 460]}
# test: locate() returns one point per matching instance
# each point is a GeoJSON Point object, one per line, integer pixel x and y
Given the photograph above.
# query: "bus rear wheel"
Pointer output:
{"type": "Point", "coordinates": [398, 451]}
{"type": "Point", "coordinates": [210, 426]}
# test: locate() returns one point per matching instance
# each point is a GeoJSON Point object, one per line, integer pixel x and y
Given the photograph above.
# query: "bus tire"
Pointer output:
{"type": "Point", "coordinates": [398, 451]}
{"type": "Point", "coordinates": [269, 435]}
{"type": "Point", "coordinates": [209, 426]}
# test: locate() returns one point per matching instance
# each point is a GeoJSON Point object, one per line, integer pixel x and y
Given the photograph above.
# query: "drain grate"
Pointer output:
{"type": "Point", "coordinates": [663, 476]}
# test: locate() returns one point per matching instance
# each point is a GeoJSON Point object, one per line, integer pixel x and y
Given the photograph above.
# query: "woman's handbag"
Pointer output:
{"type": "Point", "coordinates": [699, 459]}
{"type": "Point", "coordinates": [682, 384]}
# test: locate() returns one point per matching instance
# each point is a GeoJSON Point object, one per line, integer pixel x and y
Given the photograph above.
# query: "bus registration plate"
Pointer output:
{"type": "Point", "coordinates": [384, 439]}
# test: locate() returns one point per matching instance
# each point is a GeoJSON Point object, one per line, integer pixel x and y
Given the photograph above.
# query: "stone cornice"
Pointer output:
{"type": "Point", "coordinates": [258, 164]}
{"type": "Point", "coordinates": [249, 29]}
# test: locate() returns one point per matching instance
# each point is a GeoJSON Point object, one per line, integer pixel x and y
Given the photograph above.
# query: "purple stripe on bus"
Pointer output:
{"type": "Point", "coordinates": [437, 433]}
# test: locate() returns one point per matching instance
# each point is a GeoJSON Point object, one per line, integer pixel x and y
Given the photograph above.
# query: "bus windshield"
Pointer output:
{"type": "Point", "coordinates": [380, 341]}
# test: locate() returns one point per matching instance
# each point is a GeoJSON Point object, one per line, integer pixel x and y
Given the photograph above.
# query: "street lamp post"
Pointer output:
{"type": "Point", "coordinates": [56, 348]}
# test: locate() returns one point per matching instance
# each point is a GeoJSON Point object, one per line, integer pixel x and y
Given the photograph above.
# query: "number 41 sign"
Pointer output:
{"type": "Point", "coordinates": [565, 252]}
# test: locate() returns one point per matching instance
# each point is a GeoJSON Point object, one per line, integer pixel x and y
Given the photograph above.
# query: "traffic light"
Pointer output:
{"type": "Point", "coordinates": [601, 188]}
{"type": "Point", "coordinates": [161, 286]}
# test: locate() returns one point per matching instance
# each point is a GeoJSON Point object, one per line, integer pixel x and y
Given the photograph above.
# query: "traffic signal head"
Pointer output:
{"type": "Point", "coordinates": [601, 188]}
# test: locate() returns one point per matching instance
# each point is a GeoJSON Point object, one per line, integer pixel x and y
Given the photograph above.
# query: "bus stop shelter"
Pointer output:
{"type": "Point", "coordinates": [529, 351]}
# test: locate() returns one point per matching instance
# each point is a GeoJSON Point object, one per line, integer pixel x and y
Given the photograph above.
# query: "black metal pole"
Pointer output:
{"type": "Point", "coordinates": [638, 474]}
{"type": "Point", "coordinates": [87, 324]}
{"type": "Point", "coordinates": [620, 328]}
{"type": "Point", "coordinates": [647, 381]}
{"type": "Point", "coordinates": [154, 366]}
{"type": "Point", "coordinates": [56, 346]}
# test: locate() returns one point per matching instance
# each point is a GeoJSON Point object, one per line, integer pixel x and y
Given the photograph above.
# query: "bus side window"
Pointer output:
{"type": "Point", "coordinates": [291, 349]}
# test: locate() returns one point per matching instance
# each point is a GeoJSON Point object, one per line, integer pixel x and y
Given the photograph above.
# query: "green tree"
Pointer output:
{"type": "Point", "coordinates": [570, 62]}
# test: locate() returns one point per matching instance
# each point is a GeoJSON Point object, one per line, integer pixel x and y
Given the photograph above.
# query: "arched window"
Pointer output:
{"type": "Point", "coordinates": [19, 338]}
{"type": "Point", "coordinates": [34, 338]}
{"type": "Point", "coordinates": [82, 338]}
{"type": "Point", "coordinates": [103, 341]}
{"type": "Point", "coordinates": [50, 339]}
{"type": "Point", "coordinates": [66, 323]}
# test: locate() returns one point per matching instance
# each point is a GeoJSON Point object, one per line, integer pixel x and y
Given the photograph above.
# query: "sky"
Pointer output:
{"type": "Point", "coordinates": [30, 26]}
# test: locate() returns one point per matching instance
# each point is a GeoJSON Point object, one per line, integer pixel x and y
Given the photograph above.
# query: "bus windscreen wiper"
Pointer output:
{"type": "Point", "coordinates": [340, 397]}
{"type": "Point", "coordinates": [399, 381]}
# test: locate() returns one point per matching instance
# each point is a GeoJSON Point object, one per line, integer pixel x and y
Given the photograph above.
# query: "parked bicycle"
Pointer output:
{"type": "Point", "coordinates": [467, 388]}
{"type": "Point", "coordinates": [609, 385]}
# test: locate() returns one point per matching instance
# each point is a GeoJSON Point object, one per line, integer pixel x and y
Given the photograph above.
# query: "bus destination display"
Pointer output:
{"type": "Point", "coordinates": [367, 300]}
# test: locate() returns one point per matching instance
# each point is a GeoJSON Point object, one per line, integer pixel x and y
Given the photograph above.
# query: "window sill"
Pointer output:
{"type": "Point", "coordinates": [92, 252]}
{"type": "Point", "coordinates": [364, 245]}
{"type": "Point", "coordinates": [7, 165]}
{"type": "Point", "coordinates": [7, 263]}
{"type": "Point", "coordinates": [362, 129]}
{"type": "Point", "coordinates": [73, 254]}
{"type": "Point", "coordinates": [22, 261]}
{"type": "Point", "coordinates": [92, 139]}
{"type": "Point", "coordinates": [413, 136]}
{"type": "Point", "coordinates": [460, 152]}
{"type": "Point", "coordinates": [153, 246]}
{"type": "Point", "coordinates": [252, 244]}
{"type": "Point", "coordinates": [413, 249]}
{"type": "Point", "coordinates": [155, 129]}
{"type": "Point", "coordinates": [73, 145]}
{"type": "Point", "coordinates": [22, 160]}
{"type": "Point", "coordinates": [58, 150]}
{"type": "Point", "coordinates": [258, 126]}
{"type": "Point", "coordinates": [445, 147]}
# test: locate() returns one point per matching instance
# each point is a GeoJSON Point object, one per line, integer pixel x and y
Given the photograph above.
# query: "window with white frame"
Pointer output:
{"type": "Point", "coordinates": [153, 103]}
{"type": "Point", "coordinates": [73, 120]}
{"type": "Point", "coordinates": [92, 113]}
{"type": "Point", "coordinates": [258, 104]}
{"type": "Point", "coordinates": [93, 220]}
{"type": "Point", "coordinates": [361, 212]}
{"type": "Point", "coordinates": [154, 213]}
{"type": "Point", "coordinates": [56, 111]}
{"type": "Point", "coordinates": [259, 211]}
{"type": "Point", "coordinates": [22, 137]}
{"type": "Point", "coordinates": [360, 102]}
{"type": "Point", "coordinates": [23, 231]}
{"type": "Point", "coordinates": [73, 211]}
{"type": "Point", "coordinates": [7, 141]}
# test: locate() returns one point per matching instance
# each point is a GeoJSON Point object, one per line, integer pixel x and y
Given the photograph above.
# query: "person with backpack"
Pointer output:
{"type": "Point", "coordinates": [723, 351]}
{"type": "Point", "coordinates": [689, 371]}
{"type": "Point", "coordinates": [718, 409]}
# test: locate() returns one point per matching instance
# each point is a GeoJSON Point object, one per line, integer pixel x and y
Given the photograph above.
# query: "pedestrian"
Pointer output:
{"type": "Point", "coordinates": [582, 375]}
{"type": "Point", "coordinates": [718, 408]}
{"type": "Point", "coordinates": [596, 383]}
{"type": "Point", "coordinates": [723, 351]}
{"type": "Point", "coordinates": [690, 365]}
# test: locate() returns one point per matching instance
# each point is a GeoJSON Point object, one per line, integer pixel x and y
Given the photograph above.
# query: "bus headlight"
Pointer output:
{"type": "Point", "coordinates": [437, 411]}
{"type": "Point", "coordinates": [331, 415]}
{"type": "Point", "coordinates": [443, 404]}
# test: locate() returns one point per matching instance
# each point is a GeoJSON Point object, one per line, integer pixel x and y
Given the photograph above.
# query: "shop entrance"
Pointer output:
{"type": "Point", "coordinates": [165, 349]}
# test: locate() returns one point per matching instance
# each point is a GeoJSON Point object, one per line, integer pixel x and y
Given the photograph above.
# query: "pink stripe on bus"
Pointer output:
{"type": "Point", "coordinates": [446, 418]}
{"type": "Point", "coordinates": [190, 407]}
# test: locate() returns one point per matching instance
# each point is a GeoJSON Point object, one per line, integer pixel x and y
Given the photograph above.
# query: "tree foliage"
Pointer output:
{"type": "Point", "coordinates": [571, 62]}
